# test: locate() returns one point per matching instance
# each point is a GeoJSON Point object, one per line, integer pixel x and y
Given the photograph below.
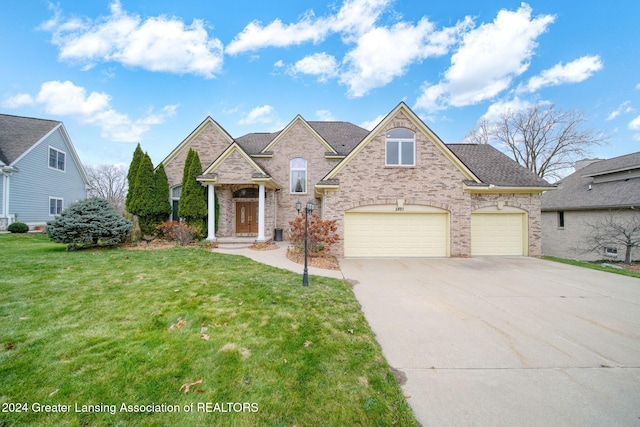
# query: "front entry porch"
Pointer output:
{"type": "Point", "coordinates": [246, 212]}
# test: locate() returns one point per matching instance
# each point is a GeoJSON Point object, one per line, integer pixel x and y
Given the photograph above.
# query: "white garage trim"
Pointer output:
{"type": "Point", "coordinates": [499, 231]}
{"type": "Point", "coordinates": [382, 231]}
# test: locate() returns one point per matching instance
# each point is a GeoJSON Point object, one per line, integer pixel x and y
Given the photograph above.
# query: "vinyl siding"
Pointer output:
{"type": "Point", "coordinates": [1, 195]}
{"type": "Point", "coordinates": [35, 182]}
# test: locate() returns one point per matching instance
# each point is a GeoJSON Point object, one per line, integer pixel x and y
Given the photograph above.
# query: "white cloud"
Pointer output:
{"type": "Point", "coordinates": [255, 36]}
{"type": "Point", "coordinates": [625, 107]}
{"type": "Point", "coordinates": [325, 116]}
{"type": "Point", "coordinates": [370, 124]}
{"type": "Point", "coordinates": [635, 124]}
{"type": "Point", "coordinates": [487, 61]}
{"type": "Point", "coordinates": [573, 72]}
{"type": "Point", "coordinates": [264, 114]}
{"type": "Point", "coordinates": [18, 101]}
{"type": "Point", "coordinates": [384, 53]}
{"type": "Point", "coordinates": [161, 43]}
{"type": "Point", "coordinates": [354, 17]}
{"type": "Point", "coordinates": [498, 109]}
{"type": "Point", "coordinates": [67, 99]}
{"type": "Point", "coordinates": [380, 53]}
{"type": "Point", "coordinates": [322, 65]}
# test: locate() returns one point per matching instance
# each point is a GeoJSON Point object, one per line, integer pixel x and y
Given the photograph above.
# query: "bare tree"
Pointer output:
{"type": "Point", "coordinates": [541, 138]}
{"type": "Point", "coordinates": [614, 231]}
{"type": "Point", "coordinates": [108, 182]}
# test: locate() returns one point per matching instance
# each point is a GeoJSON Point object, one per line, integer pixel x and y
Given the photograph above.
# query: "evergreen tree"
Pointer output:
{"type": "Point", "coordinates": [138, 154]}
{"type": "Point", "coordinates": [161, 205]}
{"type": "Point", "coordinates": [88, 223]}
{"type": "Point", "coordinates": [142, 203]}
{"type": "Point", "coordinates": [193, 200]}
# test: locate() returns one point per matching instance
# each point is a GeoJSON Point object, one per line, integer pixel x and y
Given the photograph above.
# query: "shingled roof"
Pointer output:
{"type": "Point", "coordinates": [605, 184]}
{"type": "Point", "coordinates": [18, 134]}
{"type": "Point", "coordinates": [493, 167]}
{"type": "Point", "coordinates": [341, 136]}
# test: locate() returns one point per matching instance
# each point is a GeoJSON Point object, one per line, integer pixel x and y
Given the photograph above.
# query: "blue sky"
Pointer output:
{"type": "Point", "coordinates": [121, 72]}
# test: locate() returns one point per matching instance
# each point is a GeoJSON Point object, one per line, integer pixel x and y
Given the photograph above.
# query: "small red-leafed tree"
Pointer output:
{"type": "Point", "coordinates": [322, 233]}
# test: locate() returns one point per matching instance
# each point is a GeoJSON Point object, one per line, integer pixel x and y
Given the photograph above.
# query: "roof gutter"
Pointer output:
{"type": "Point", "coordinates": [494, 189]}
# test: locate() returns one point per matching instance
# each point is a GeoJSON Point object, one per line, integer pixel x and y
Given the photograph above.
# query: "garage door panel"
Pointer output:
{"type": "Point", "coordinates": [497, 234]}
{"type": "Point", "coordinates": [395, 234]}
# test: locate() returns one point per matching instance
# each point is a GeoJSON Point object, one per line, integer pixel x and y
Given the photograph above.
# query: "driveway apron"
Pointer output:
{"type": "Point", "coordinates": [506, 341]}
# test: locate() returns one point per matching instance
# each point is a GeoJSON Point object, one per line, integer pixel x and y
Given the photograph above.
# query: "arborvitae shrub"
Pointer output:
{"type": "Point", "coordinates": [18, 227]}
{"type": "Point", "coordinates": [89, 223]}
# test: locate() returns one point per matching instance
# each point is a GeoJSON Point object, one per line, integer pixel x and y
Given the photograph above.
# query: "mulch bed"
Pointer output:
{"type": "Point", "coordinates": [327, 262]}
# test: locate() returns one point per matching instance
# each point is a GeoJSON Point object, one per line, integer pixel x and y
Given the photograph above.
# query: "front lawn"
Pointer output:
{"type": "Point", "coordinates": [113, 336]}
{"type": "Point", "coordinates": [623, 269]}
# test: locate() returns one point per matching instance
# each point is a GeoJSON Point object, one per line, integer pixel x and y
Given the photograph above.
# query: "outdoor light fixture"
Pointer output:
{"type": "Point", "coordinates": [307, 210]}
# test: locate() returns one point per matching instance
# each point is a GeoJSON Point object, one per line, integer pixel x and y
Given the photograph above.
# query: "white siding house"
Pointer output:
{"type": "Point", "coordinates": [40, 172]}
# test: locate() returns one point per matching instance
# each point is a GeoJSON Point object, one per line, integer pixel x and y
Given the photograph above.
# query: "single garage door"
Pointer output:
{"type": "Point", "coordinates": [497, 234]}
{"type": "Point", "coordinates": [395, 234]}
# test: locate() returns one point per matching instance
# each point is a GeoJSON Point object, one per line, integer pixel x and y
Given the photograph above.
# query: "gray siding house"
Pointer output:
{"type": "Point", "coordinates": [40, 172]}
{"type": "Point", "coordinates": [597, 190]}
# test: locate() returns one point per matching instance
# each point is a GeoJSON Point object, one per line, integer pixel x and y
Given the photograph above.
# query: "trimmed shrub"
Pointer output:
{"type": "Point", "coordinates": [177, 232]}
{"type": "Point", "coordinates": [89, 223]}
{"type": "Point", "coordinates": [193, 200]}
{"type": "Point", "coordinates": [18, 227]}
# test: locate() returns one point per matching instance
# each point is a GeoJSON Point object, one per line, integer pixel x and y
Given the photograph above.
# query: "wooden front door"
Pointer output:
{"type": "Point", "coordinates": [246, 218]}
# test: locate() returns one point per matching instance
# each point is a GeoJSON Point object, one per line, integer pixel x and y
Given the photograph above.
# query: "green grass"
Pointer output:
{"type": "Point", "coordinates": [94, 328]}
{"type": "Point", "coordinates": [594, 266]}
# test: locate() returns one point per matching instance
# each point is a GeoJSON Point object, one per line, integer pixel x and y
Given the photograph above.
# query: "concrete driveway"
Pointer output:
{"type": "Point", "coordinates": [506, 341]}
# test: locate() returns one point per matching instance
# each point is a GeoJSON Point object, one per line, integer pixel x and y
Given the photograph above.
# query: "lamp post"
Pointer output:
{"type": "Point", "coordinates": [307, 210]}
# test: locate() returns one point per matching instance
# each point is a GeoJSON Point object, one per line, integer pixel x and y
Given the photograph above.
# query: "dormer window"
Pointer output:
{"type": "Point", "coordinates": [400, 147]}
{"type": "Point", "coordinates": [298, 176]}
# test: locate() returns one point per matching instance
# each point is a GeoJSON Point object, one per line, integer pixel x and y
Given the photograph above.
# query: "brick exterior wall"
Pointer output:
{"type": "Point", "coordinates": [209, 143]}
{"type": "Point", "coordinates": [434, 181]}
{"type": "Point", "coordinates": [365, 180]}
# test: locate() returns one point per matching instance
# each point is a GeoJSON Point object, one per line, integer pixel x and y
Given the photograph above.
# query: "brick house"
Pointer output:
{"type": "Point", "coordinates": [397, 190]}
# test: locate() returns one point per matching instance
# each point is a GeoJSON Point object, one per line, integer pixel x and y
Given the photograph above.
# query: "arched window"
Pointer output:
{"type": "Point", "coordinates": [298, 176]}
{"type": "Point", "coordinates": [400, 147]}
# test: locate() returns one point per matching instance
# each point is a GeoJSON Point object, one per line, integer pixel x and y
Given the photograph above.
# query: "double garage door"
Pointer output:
{"type": "Point", "coordinates": [395, 234]}
{"type": "Point", "coordinates": [403, 234]}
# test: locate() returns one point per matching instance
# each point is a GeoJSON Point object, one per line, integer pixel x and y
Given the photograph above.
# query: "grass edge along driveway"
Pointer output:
{"type": "Point", "coordinates": [116, 337]}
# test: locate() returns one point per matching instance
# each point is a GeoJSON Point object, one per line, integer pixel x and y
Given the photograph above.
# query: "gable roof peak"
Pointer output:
{"type": "Point", "coordinates": [18, 134]}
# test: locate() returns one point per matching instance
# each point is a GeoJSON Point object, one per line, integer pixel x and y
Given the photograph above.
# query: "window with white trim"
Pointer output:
{"type": "Point", "coordinates": [400, 147]}
{"type": "Point", "coordinates": [611, 252]}
{"type": "Point", "coordinates": [176, 192]}
{"type": "Point", "coordinates": [55, 206]}
{"type": "Point", "coordinates": [57, 159]}
{"type": "Point", "coordinates": [298, 176]}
